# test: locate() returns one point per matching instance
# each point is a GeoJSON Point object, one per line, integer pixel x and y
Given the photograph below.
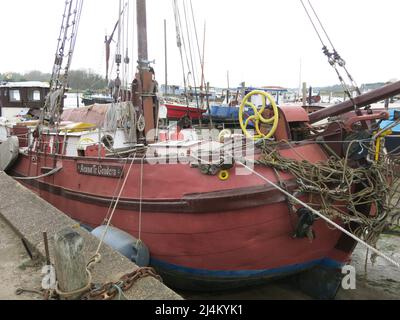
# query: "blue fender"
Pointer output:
{"type": "Point", "coordinates": [130, 247]}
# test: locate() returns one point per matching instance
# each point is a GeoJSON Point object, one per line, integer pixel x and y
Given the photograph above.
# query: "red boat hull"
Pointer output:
{"type": "Point", "coordinates": [200, 230]}
{"type": "Point", "coordinates": [177, 112]}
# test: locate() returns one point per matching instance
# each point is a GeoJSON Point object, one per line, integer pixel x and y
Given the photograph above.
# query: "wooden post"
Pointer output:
{"type": "Point", "coordinates": [387, 104]}
{"type": "Point", "coordinates": [69, 262]}
{"type": "Point", "coordinates": [208, 105]}
{"type": "Point", "coordinates": [304, 93]}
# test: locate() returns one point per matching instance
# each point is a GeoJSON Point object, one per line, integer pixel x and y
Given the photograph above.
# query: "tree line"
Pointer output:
{"type": "Point", "coordinates": [79, 80]}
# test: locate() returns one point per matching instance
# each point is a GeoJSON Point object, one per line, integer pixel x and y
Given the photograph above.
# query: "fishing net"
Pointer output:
{"type": "Point", "coordinates": [365, 196]}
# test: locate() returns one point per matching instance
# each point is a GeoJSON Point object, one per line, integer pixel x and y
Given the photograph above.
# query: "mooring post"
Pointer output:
{"type": "Point", "coordinates": [70, 263]}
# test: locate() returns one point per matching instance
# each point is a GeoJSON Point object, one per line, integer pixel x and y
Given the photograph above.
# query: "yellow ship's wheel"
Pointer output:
{"type": "Point", "coordinates": [258, 117]}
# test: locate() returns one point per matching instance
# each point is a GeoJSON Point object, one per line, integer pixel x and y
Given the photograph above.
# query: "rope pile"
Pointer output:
{"type": "Point", "coordinates": [341, 191]}
{"type": "Point", "coordinates": [122, 115]}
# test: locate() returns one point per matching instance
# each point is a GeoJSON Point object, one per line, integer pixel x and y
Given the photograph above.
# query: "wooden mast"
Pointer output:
{"type": "Point", "coordinates": [146, 74]}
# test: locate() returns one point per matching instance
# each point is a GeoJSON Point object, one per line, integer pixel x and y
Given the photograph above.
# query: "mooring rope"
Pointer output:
{"type": "Point", "coordinates": [97, 257]}
{"type": "Point", "coordinates": [48, 174]}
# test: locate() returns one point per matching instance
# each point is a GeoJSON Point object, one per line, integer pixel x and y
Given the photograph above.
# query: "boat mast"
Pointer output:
{"type": "Point", "coordinates": [142, 33]}
{"type": "Point", "coordinates": [145, 76]}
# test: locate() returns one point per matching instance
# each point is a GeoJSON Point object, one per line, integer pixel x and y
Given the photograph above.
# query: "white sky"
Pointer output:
{"type": "Point", "coordinates": [260, 42]}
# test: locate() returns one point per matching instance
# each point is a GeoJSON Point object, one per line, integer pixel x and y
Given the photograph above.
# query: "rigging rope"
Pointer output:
{"type": "Point", "coordinates": [191, 55]}
{"type": "Point", "coordinates": [335, 52]}
{"type": "Point", "coordinates": [198, 45]}
{"type": "Point", "coordinates": [59, 82]}
{"type": "Point", "coordinates": [179, 44]}
{"type": "Point", "coordinates": [334, 58]}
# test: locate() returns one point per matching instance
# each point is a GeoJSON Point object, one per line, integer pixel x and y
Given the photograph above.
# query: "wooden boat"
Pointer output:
{"type": "Point", "coordinates": [178, 111]}
{"type": "Point", "coordinates": [92, 99]}
{"type": "Point", "coordinates": [204, 231]}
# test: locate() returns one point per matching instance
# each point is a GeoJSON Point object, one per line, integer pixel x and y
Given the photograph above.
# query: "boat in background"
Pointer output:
{"type": "Point", "coordinates": [90, 98]}
{"type": "Point", "coordinates": [178, 111]}
{"type": "Point", "coordinates": [20, 99]}
{"type": "Point", "coordinates": [227, 115]}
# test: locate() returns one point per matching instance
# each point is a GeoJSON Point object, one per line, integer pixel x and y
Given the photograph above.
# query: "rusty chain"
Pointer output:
{"type": "Point", "coordinates": [106, 292]}
{"type": "Point", "coordinates": [110, 290]}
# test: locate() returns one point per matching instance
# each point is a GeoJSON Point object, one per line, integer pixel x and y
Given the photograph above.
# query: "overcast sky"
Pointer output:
{"type": "Point", "coordinates": [260, 42]}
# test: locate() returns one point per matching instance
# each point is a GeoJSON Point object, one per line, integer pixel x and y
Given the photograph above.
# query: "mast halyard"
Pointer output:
{"type": "Point", "coordinates": [108, 41]}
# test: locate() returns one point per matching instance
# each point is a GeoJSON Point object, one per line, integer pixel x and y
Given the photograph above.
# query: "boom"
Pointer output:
{"type": "Point", "coordinates": [358, 102]}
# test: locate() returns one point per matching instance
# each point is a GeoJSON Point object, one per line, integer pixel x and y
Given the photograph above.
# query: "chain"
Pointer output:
{"type": "Point", "coordinates": [110, 290]}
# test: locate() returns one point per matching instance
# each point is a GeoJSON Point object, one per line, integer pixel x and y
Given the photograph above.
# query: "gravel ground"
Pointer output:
{"type": "Point", "coordinates": [16, 269]}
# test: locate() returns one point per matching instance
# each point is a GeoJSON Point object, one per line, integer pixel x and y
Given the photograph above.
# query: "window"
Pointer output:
{"type": "Point", "coordinates": [34, 95]}
{"type": "Point", "coordinates": [15, 96]}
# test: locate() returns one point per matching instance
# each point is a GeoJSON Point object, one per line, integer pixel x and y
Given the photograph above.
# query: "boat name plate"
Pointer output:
{"type": "Point", "coordinates": [100, 170]}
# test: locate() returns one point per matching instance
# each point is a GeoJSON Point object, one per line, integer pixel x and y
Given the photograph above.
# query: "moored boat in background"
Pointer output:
{"type": "Point", "coordinates": [21, 98]}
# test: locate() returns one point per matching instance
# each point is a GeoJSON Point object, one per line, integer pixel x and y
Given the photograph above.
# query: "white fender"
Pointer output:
{"type": "Point", "coordinates": [9, 151]}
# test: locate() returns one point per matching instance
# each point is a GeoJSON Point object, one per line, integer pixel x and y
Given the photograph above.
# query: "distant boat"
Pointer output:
{"type": "Point", "coordinates": [228, 114]}
{"type": "Point", "coordinates": [91, 99]}
{"type": "Point", "coordinates": [22, 98]}
{"type": "Point", "coordinates": [178, 111]}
